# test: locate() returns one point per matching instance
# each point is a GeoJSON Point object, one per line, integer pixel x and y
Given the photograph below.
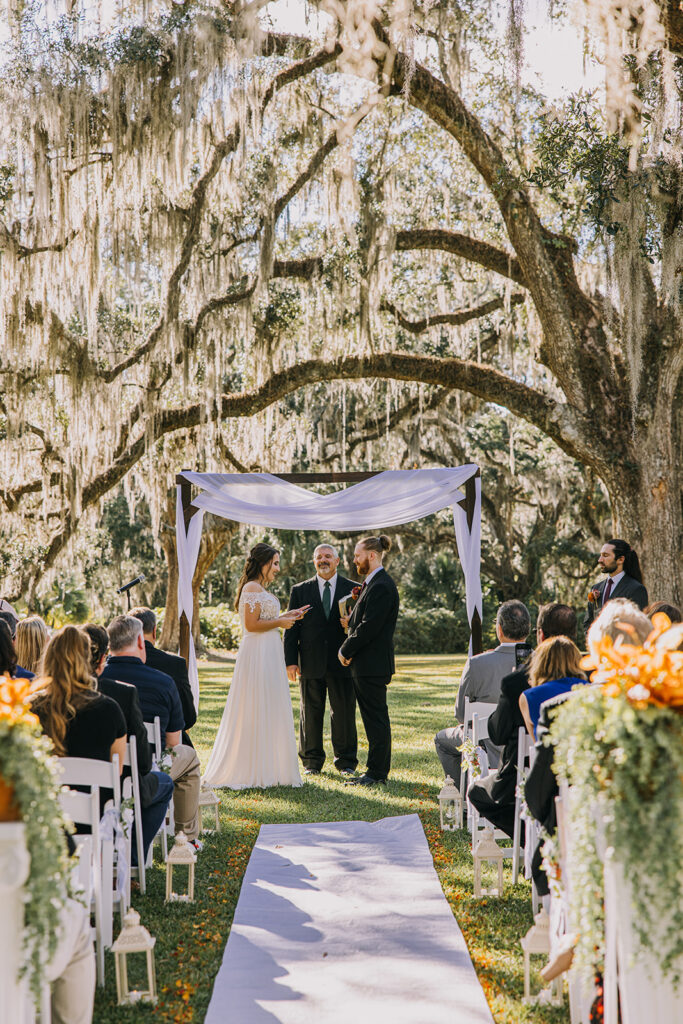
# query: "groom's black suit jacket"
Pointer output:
{"type": "Point", "coordinates": [370, 643]}
{"type": "Point", "coordinates": [313, 642]}
{"type": "Point", "coordinates": [626, 587]}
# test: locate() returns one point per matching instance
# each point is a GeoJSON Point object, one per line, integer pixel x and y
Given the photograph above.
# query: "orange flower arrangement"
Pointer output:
{"type": "Point", "coordinates": [15, 695]}
{"type": "Point", "coordinates": [651, 674]}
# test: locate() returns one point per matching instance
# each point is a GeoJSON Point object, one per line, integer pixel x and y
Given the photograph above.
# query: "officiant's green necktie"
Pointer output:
{"type": "Point", "coordinates": [327, 599]}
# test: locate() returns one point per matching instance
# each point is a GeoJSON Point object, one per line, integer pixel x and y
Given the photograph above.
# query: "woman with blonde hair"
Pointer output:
{"type": "Point", "coordinates": [32, 635]}
{"type": "Point", "coordinates": [555, 667]}
{"type": "Point", "coordinates": [80, 721]}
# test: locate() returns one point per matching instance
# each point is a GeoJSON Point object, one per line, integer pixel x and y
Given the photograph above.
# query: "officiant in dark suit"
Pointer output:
{"type": "Point", "coordinates": [619, 562]}
{"type": "Point", "coordinates": [369, 650]}
{"type": "Point", "coordinates": [311, 647]}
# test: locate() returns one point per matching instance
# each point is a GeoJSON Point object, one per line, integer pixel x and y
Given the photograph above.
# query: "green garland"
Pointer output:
{"type": "Point", "coordinates": [627, 762]}
{"type": "Point", "coordinates": [27, 764]}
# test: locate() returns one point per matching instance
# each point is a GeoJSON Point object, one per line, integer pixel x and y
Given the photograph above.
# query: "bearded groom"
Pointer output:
{"type": "Point", "coordinates": [369, 650]}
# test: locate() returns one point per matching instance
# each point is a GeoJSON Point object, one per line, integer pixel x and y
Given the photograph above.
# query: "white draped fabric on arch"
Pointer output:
{"type": "Point", "coordinates": [386, 499]}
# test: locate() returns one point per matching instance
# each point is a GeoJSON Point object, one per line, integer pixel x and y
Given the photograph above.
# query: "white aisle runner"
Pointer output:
{"type": "Point", "coordinates": [345, 923]}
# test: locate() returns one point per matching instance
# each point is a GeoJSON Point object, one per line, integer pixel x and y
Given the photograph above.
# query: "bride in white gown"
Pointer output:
{"type": "Point", "coordinates": [255, 743]}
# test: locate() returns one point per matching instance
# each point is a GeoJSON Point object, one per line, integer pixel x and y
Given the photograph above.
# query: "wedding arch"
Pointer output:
{"type": "Point", "coordinates": [374, 500]}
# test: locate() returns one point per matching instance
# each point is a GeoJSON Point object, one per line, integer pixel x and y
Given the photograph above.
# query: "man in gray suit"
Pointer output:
{"type": "Point", "coordinates": [481, 679]}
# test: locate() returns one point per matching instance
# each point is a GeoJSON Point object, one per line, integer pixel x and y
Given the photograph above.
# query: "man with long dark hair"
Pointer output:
{"type": "Point", "coordinates": [623, 578]}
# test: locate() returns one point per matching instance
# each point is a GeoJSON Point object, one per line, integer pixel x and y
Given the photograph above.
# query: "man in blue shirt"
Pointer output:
{"type": "Point", "coordinates": [158, 696]}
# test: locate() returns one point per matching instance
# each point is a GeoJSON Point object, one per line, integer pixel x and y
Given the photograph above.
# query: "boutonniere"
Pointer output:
{"type": "Point", "coordinates": [593, 595]}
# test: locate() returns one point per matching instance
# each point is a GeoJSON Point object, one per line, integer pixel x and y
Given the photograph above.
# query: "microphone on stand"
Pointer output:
{"type": "Point", "coordinates": [126, 588]}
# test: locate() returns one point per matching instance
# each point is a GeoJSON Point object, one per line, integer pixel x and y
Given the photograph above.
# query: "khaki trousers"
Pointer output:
{"type": "Point", "coordinates": [185, 772]}
{"type": "Point", "coordinates": [72, 968]}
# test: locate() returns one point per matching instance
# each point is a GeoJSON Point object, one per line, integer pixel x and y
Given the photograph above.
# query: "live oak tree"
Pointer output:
{"type": "Point", "coordinates": [202, 216]}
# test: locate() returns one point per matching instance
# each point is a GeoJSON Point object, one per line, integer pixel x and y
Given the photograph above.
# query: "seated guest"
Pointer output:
{"type": "Point", "coordinates": [156, 787]}
{"type": "Point", "coordinates": [481, 679]}
{"type": "Point", "coordinates": [554, 668]}
{"type": "Point", "coordinates": [80, 721]}
{"type": "Point", "coordinates": [30, 640]}
{"type": "Point", "coordinates": [623, 622]}
{"type": "Point", "coordinates": [670, 610]}
{"type": "Point", "coordinates": [158, 696]}
{"type": "Point", "coordinates": [171, 664]}
{"type": "Point", "coordinates": [494, 795]}
{"type": "Point", "coordinates": [71, 970]}
{"type": "Point", "coordinates": [8, 654]}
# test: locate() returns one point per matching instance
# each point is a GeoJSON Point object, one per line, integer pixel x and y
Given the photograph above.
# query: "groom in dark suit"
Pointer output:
{"type": "Point", "coordinates": [623, 579]}
{"type": "Point", "coordinates": [369, 650]}
{"type": "Point", "coordinates": [311, 646]}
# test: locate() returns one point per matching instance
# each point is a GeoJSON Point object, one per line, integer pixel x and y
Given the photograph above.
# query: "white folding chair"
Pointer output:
{"type": "Point", "coordinates": [168, 827]}
{"type": "Point", "coordinates": [130, 760]}
{"type": "Point", "coordinates": [483, 710]}
{"type": "Point", "coordinates": [525, 745]}
{"type": "Point", "coordinates": [97, 775]}
{"type": "Point", "coordinates": [84, 809]}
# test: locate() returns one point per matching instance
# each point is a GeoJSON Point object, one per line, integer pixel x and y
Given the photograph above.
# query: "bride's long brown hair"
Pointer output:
{"type": "Point", "coordinates": [69, 682]}
{"type": "Point", "coordinates": [258, 559]}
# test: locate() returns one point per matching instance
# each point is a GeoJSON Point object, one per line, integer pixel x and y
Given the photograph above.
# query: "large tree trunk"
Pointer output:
{"type": "Point", "coordinates": [646, 508]}
{"type": "Point", "coordinates": [170, 633]}
{"type": "Point", "coordinates": [217, 533]}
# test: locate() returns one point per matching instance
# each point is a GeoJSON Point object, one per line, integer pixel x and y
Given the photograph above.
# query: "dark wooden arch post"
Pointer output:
{"type": "Point", "coordinates": [188, 512]}
{"type": "Point", "coordinates": [469, 504]}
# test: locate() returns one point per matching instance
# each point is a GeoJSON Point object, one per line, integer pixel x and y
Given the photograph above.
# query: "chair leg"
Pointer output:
{"type": "Point", "coordinates": [516, 840]}
{"type": "Point", "coordinates": [99, 951]}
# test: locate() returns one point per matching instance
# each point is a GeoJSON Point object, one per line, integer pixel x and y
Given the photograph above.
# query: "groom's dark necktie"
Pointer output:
{"type": "Point", "coordinates": [607, 591]}
{"type": "Point", "coordinates": [327, 599]}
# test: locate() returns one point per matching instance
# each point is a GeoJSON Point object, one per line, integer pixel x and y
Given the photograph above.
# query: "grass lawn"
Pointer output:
{"type": "Point", "coordinates": [190, 940]}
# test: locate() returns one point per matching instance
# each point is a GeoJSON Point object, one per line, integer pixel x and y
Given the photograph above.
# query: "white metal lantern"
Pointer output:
{"type": "Point", "coordinates": [450, 806]}
{"type": "Point", "coordinates": [209, 798]}
{"type": "Point", "coordinates": [134, 938]}
{"type": "Point", "coordinates": [537, 942]}
{"type": "Point", "coordinates": [181, 853]}
{"type": "Point", "coordinates": [488, 851]}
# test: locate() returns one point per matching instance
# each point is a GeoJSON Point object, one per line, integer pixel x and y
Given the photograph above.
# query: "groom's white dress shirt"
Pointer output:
{"type": "Point", "coordinates": [371, 574]}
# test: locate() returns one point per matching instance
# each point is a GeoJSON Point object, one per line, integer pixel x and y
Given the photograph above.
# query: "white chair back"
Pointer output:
{"type": "Point", "coordinates": [97, 775]}
{"type": "Point", "coordinates": [87, 771]}
{"type": "Point", "coordinates": [130, 760]}
{"type": "Point", "coordinates": [95, 868]}
{"type": "Point", "coordinates": [168, 827]}
{"type": "Point", "coordinates": [483, 710]}
{"type": "Point", "coordinates": [154, 737]}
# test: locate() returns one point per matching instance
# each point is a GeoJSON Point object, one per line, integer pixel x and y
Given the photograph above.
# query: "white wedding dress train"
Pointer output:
{"type": "Point", "coordinates": [255, 745]}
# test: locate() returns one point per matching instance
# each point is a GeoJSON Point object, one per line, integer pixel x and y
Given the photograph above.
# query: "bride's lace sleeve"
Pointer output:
{"type": "Point", "coordinates": [252, 598]}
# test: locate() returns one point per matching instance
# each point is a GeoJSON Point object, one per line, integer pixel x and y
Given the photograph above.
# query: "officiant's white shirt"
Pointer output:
{"type": "Point", "coordinates": [321, 585]}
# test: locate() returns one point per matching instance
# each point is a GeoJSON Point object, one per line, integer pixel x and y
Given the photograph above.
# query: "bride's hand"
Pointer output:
{"type": "Point", "coordinates": [288, 619]}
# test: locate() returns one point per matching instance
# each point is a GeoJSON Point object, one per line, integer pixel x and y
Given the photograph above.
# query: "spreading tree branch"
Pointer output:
{"type": "Point", "coordinates": [461, 316]}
